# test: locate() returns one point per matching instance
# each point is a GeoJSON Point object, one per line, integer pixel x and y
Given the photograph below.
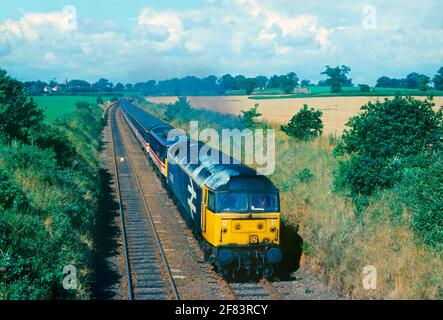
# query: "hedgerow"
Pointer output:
{"type": "Point", "coordinates": [49, 188]}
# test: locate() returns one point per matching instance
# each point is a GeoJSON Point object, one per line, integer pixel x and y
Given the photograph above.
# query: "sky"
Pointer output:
{"type": "Point", "coordinates": [138, 40]}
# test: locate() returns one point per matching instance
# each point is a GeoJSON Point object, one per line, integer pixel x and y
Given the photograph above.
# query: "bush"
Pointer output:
{"type": "Point", "coordinates": [305, 125]}
{"type": "Point", "coordinates": [421, 191]}
{"type": "Point", "coordinates": [179, 111]}
{"type": "Point", "coordinates": [305, 175]}
{"type": "Point", "coordinates": [11, 195]}
{"type": "Point", "coordinates": [364, 88]}
{"type": "Point", "coordinates": [383, 138]}
{"type": "Point", "coordinates": [249, 117]}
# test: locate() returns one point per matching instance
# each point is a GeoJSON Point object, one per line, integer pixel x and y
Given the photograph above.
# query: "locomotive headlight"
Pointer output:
{"type": "Point", "coordinates": [253, 239]}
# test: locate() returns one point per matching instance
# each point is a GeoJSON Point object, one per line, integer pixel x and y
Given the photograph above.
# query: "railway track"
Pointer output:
{"type": "Point", "coordinates": [147, 270]}
{"type": "Point", "coordinates": [262, 290]}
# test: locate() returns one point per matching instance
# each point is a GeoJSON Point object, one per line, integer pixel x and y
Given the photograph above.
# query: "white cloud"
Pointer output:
{"type": "Point", "coordinates": [236, 36]}
{"type": "Point", "coordinates": [33, 25]}
{"type": "Point", "coordinates": [50, 58]}
{"type": "Point", "coordinates": [167, 22]}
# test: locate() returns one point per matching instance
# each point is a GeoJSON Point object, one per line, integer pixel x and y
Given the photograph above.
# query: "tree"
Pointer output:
{"type": "Point", "coordinates": [275, 81]}
{"type": "Point", "coordinates": [179, 111]}
{"type": "Point", "coordinates": [337, 77]}
{"type": "Point", "coordinates": [412, 80]}
{"type": "Point", "coordinates": [262, 81]}
{"type": "Point", "coordinates": [209, 85]}
{"type": "Point", "coordinates": [239, 81]}
{"type": "Point", "coordinates": [305, 83]}
{"type": "Point", "coordinates": [364, 88]}
{"type": "Point", "coordinates": [78, 86]}
{"type": "Point", "coordinates": [386, 82]}
{"type": "Point", "coordinates": [227, 83]}
{"type": "Point", "coordinates": [305, 125]}
{"type": "Point", "coordinates": [438, 79]}
{"type": "Point", "coordinates": [423, 82]}
{"type": "Point", "coordinates": [103, 85]}
{"type": "Point", "coordinates": [129, 87]}
{"type": "Point", "coordinates": [20, 116]}
{"type": "Point", "coordinates": [249, 85]}
{"type": "Point", "coordinates": [383, 138]}
{"type": "Point", "coordinates": [289, 82]}
{"type": "Point", "coordinates": [119, 87]}
{"type": "Point", "coordinates": [52, 84]}
{"type": "Point", "coordinates": [250, 115]}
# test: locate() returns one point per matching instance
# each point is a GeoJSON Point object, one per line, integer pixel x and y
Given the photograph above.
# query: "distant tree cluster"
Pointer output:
{"type": "Point", "coordinates": [336, 78]}
{"type": "Point", "coordinates": [189, 85]}
{"type": "Point", "coordinates": [413, 80]}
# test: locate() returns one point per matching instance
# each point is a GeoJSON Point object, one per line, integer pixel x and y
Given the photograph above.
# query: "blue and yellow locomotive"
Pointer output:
{"type": "Point", "coordinates": [233, 211]}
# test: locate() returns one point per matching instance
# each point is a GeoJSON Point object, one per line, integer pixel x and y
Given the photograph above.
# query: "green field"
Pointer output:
{"type": "Point", "coordinates": [56, 106]}
{"type": "Point", "coordinates": [317, 92]}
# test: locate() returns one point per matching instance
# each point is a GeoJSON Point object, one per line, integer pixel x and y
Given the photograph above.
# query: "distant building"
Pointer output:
{"type": "Point", "coordinates": [302, 90]}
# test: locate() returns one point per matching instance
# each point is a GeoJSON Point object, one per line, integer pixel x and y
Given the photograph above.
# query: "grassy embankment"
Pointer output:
{"type": "Point", "coordinates": [50, 187]}
{"type": "Point", "coordinates": [338, 243]}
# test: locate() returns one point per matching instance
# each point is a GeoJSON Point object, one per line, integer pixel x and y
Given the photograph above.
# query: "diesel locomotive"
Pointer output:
{"type": "Point", "coordinates": [232, 211]}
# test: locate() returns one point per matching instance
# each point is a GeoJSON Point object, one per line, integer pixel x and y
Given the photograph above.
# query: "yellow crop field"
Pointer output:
{"type": "Point", "coordinates": [336, 110]}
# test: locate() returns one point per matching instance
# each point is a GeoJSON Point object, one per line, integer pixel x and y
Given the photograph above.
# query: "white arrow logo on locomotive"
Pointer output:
{"type": "Point", "coordinates": [191, 204]}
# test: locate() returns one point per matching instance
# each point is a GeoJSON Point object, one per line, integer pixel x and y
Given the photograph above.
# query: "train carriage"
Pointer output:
{"type": "Point", "coordinates": [150, 131]}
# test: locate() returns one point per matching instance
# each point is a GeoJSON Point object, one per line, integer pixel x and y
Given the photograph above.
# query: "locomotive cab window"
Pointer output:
{"type": "Point", "coordinates": [229, 202]}
{"type": "Point", "coordinates": [243, 202]}
{"type": "Point", "coordinates": [264, 202]}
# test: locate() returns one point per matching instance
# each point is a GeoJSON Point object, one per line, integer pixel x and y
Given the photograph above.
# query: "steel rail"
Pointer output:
{"type": "Point", "coordinates": [151, 221]}
{"type": "Point", "coordinates": [117, 181]}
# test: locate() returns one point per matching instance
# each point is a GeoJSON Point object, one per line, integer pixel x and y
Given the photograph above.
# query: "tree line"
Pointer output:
{"type": "Point", "coordinates": [336, 78]}
{"type": "Point", "coordinates": [413, 80]}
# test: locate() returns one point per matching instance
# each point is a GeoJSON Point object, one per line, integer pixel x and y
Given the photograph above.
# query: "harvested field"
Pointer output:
{"type": "Point", "coordinates": [336, 110]}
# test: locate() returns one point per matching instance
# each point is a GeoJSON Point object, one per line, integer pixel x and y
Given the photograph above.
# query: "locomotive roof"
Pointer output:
{"type": "Point", "coordinates": [148, 121]}
{"type": "Point", "coordinates": [219, 172]}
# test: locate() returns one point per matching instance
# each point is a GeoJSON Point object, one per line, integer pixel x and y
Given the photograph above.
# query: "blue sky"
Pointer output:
{"type": "Point", "coordinates": [137, 40]}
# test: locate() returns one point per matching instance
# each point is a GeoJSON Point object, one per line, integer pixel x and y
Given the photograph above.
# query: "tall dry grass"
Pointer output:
{"type": "Point", "coordinates": [339, 244]}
